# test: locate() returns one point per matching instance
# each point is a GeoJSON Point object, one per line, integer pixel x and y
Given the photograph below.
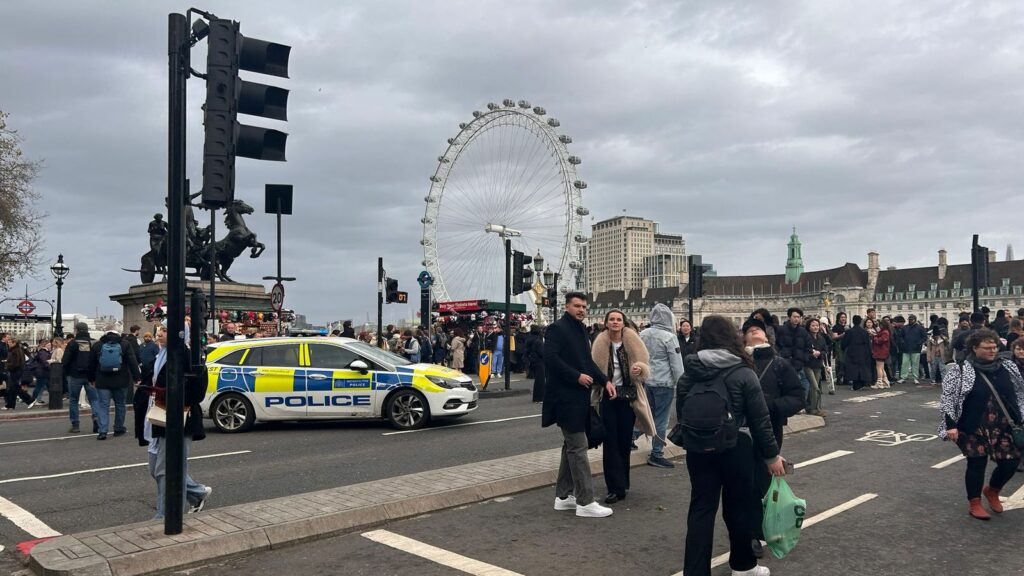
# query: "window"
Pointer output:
{"type": "Point", "coordinates": [1006, 281]}
{"type": "Point", "coordinates": [912, 287]}
{"type": "Point", "coordinates": [331, 357]}
{"type": "Point", "coordinates": [891, 289]}
{"type": "Point", "coordinates": [956, 285]}
{"type": "Point", "coordinates": [232, 359]}
{"type": "Point", "coordinates": [943, 293]}
{"type": "Point", "coordinates": [934, 286]}
{"type": "Point", "coordinates": [285, 355]}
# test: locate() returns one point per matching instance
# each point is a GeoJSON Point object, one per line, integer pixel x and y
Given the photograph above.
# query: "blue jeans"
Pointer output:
{"type": "Point", "coordinates": [938, 369]}
{"type": "Point", "coordinates": [499, 361]}
{"type": "Point", "coordinates": [102, 409]}
{"type": "Point", "coordinates": [194, 491]}
{"type": "Point", "coordinates": [42, 383]}
{"type": "Point", "coordinates": [806, 385]}
{"type": "Point", "coordinates": [75, 385]}
{"type": "Point", "coordinates": [660, 398]}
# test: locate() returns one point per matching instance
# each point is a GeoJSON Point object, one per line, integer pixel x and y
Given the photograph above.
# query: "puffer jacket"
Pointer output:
{"type": "Point", "coordinates": [793, 344]}
{"type": "Point", "coordinates": [746, 400]}
{"type": "Point", "coordinates": [663, 347]}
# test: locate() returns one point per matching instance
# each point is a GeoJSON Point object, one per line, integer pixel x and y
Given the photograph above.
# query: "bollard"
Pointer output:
{"type": "Point", "coordinates": [56, 386]}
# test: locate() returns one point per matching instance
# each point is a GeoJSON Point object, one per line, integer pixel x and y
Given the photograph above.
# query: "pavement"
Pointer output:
{"type": "Point", "coordinates": [212, 535]}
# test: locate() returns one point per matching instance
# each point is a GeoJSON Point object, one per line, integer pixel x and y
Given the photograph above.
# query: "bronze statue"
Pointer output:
{"type": "Point", "coordinates": [207, 257]}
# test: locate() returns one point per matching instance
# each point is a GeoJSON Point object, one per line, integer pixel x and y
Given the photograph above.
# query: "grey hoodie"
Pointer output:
{"type": "Point", "coordinates": [663, 347]}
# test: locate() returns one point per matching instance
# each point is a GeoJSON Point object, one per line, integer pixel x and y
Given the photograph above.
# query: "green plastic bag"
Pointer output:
{"type": "Point", "coordinates": [783, 516]}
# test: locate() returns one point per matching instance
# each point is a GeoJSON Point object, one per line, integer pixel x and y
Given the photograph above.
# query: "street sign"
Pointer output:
{"type": "Point", "coordinates": [277, 297]}
{"type": "Point", "coordinates": [425, 280]}
{"type": "Point", "coordinates": [26, 307]}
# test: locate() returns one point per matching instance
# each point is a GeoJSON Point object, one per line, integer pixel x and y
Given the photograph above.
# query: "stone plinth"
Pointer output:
{"type": "Point", "coordinates": [249, 297]}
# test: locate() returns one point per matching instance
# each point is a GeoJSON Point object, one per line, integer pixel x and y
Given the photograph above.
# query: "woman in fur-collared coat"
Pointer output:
{"type": "Point", "coordinates": [622, 356]}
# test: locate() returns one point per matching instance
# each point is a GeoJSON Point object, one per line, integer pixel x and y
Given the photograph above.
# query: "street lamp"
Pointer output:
{"type": "Point", "coordinates": [60, 271]}
{"type": "Point", "coordinates": [827, 298]}
{"type": "Point", "coordinates": [538, 263]}
{"type": "Point", "coordinates": [549, 277]}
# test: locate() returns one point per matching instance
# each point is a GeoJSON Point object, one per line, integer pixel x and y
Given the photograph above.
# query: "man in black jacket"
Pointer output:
{"type": "Point", "coordinates": [687, 338]}
{"type": "Point", "coordinates": [784, 396]}
{"type": "Point", "coordinates": [570, 371]}
{"type": "Point", "coordinates": [76, 362]}
{"type": "Point", "coordinates": [794, 344]}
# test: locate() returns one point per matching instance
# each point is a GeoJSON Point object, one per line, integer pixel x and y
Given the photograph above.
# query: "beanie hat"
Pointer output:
{"type": "Point", "coordinates": [754, 323]}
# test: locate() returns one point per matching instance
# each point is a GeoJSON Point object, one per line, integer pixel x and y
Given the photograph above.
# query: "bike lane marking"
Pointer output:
{"type": "Point", "coordinates": [121, 467]}
{"type": "Point", "coordinates": [825, 458]}
{"type": "Point", "coordinates": [460, 425]}
{"type": "Point", "coordinates": [834, 511]}
{"type": "Point", "coordinates": [437, 555]}
{"type": "Point", "coordinates": [25, 520]}
{"type": "Point", "coordinates": [949, 462]}
{"type": "Point", "coordinates": [47, 439]}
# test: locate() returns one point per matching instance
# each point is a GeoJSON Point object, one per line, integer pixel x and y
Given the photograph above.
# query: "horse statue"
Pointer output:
{"type": "Point", "coordinates": [239, 238]}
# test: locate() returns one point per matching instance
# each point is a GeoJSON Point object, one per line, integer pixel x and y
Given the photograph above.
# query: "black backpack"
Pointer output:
{"type": "Point", "coordinates": [707, 423]}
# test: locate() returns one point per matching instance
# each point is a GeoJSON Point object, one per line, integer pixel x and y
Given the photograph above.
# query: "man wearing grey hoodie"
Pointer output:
{"type": "Point", "coordinates": [666, 370]}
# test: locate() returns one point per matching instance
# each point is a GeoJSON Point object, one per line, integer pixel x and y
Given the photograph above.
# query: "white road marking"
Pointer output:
{"type": "Point", "coordinates": [435, 554]}
{"type": "Point", "coordinates": [949, 462]}
{"type": "Point", "coordinates": [121, 467]}
{"type": "Point", "coordinates": [723, 558]}
{"type": "Point", "coordinates": [47, 439]}
{"type": "Point", "coordinates": [460, 425]}
{"type": "Point", "coordinates": [825, 458]}
{"type": "Point", "coordinates": [1015, 501]}
{"type": "Point", "coordinates": [892, 438]}
{"type": "Point", "coordinates": [858, 399]}
{"type": "Point", "coordinates": [25, 520]}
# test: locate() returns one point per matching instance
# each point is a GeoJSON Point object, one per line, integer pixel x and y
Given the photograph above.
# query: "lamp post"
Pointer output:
{"type": "Point", "coordinates": [60, 271]}
{"type": "Point", "coordinates": [506, 235]}
{"type": "Point", "coordinates": [827, 298]}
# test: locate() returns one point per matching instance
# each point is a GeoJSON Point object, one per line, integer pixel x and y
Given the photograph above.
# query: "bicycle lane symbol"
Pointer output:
{"type": "Point", "coordinates": [892, 438]}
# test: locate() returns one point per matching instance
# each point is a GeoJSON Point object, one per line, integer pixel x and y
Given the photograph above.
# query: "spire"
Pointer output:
{"type": "Point", "coordinates": [794, 261]}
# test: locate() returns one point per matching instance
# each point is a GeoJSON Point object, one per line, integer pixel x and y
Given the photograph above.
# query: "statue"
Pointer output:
{"type": "Point", "coordinates": [207, 257]}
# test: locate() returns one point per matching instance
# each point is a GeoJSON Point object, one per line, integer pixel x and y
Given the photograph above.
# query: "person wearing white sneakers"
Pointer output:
{"type": "Point", "coordinates": [722, 409]}
{"type": "Point", "coordinates": [570, 372]}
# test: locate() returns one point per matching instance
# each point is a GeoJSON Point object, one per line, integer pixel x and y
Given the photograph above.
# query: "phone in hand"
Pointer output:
{"type": "Point", "coordinates": [788, 467]}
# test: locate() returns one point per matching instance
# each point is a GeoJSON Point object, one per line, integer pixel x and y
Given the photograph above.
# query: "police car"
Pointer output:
{"type": "Point", "coordinates": [326, 379]}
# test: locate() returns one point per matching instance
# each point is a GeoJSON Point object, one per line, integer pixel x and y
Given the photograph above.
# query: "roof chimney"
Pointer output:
{"type": "Point", "coordinates": [991, 255]}
{"type": "Point", "coordinates": [942, 264]}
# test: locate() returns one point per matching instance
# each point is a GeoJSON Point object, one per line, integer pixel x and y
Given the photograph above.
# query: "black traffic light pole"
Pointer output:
{"type": "Point", "coordinates": [380, 301]}
{"type": "Point", "coordinates": [279, 202]}
{"type": "Point", "coordinates": [507, 347]}
{"type": "Point", "coordinates": [178, 72]}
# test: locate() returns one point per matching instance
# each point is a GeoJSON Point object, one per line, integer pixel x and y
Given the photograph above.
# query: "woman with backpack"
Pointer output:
{"type": "Point", "coordinates": [621, 355]}
{"type": "Point", "coordinates": [717, 396]}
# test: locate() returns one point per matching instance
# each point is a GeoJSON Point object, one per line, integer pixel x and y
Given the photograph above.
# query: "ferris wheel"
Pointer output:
{"type": "Point", "coordinates": [507, 167]}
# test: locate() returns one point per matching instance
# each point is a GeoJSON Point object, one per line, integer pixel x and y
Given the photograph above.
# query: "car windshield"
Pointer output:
{"type": "Point", "coordinates": [378, 355]}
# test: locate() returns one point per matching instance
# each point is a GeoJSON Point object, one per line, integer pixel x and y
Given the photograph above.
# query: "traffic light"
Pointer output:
{"type": "Point", "coordinates": [979, 256]}
{"type": "Point", "coordinates": [390, 290]}
{"type": "Point", "coordinates": [227, 96]}
{"type": "Point", "coordinates": [696, 268]}
{"type": "Point", "coordinates": [522, 273]}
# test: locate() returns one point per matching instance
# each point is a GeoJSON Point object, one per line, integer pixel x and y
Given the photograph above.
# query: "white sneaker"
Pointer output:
{"type": "Point", "coordinates": [593, 510]}
{"type": "Point", "coordinates": [567, 503]}
{"type": "Point", "coordinates": [755, 571]}
{"type": "Point", "coordinates": [198, 506]}
{"type": "Point", "coordinates": [30, 405]}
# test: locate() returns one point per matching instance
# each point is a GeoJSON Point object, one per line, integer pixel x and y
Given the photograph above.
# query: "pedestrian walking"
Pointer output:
{"type": "Point", "coordinates": [570, 371]}
{"type": "Point", "coordinates": [458, 349]}
{"type": "Point", "coordinates": [346, 330]}
{"type": "Point", "coordinates": [40, 366]}
{"type": "Point", "coordinates": [837, 333]}
{"type": "Point", "coordinates": [814, 369]}
{"type": "Point", "coordinates": [196, 494]}
{"type": "Point", "coordinates": [77, 361]}
{"type": "Point", "coordinates": [687, 338]}
{"type": "Point", "coordinates": [14, 367]}
{"type": "Point", "coordinates": [666, 369]}
{"type": "Point", "coordinates": [112, 371]}
{"type": "Point", "coordinates": [880, 349]}
{"type": "Point", "coordinates": [719, 383]}
{"type": "Point", "coordinates": [410, 347]}
{"type": "Point", "coordinates": [621, 355]}
{"type": "Point", "coordinates": [784, 397]}
{"type": "Point", "coordinates": [981, 400]}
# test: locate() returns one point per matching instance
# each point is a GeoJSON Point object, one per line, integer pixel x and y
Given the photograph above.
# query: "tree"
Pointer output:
{"type": "Point", "coordinates": [21, 236]}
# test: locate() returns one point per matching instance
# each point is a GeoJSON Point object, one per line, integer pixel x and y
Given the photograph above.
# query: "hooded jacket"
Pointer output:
{"type": "Point", "coordinates": [746, 400]}
{"type": "Point", "coordinates": [663, 348]}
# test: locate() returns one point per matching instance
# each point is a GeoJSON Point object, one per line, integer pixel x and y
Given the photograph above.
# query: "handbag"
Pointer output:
{"type": "Point", "coordinates": [157, 415]}
{"type": "Point", "coordinates": [1016, 430]}
{"type": "Point", "coordinates": [595, 427]}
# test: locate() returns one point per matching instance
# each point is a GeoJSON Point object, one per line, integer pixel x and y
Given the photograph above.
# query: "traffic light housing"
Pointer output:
{"type": "Point", "coordinates": [227, 96]}
{"type": "Point", "coordinates": [390, 290]}
{"type": "Point", "coordinates": [696, 269]}
{"type": "Point", "coordinates": [979, 256]}
{"type": "Point", "coordinates": [522, 273]}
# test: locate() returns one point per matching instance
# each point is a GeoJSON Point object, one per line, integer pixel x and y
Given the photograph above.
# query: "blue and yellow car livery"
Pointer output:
{"type": "Point", "coordinates": [327, 378]}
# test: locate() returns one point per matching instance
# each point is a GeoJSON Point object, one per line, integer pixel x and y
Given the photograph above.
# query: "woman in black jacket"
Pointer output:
{"type": "Point", "coordinates": [726, 474]}
{"type": "Point", "coordinates": [814, 368]}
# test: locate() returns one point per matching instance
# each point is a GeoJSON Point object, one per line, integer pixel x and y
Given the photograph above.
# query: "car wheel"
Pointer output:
{"type": "Point", "coordinates": [407, 410]}
{"type": "Point", "coordinates": [232, 413]}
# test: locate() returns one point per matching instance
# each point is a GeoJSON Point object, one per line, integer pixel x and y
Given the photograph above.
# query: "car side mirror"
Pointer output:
{"type": "Point", "coordinates": [359, 365]}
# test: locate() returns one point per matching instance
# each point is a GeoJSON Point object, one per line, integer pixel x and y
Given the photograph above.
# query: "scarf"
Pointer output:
{"type": "Point", "coordinates": [990, 367]}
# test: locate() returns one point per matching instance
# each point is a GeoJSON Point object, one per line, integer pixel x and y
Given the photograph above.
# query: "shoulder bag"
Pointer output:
{"type": "Point", "coordinates": [1016, 430]}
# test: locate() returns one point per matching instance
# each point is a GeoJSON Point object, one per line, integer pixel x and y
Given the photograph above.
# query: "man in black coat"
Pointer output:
{"type": "Point", "coordinates": [569, 372]}
{"type": "Point", "coordinates": [794, 344]}
{"type": "Point", "coordinates": [857, 346]}
{"type": "Point", "coordinates": [784, 396]}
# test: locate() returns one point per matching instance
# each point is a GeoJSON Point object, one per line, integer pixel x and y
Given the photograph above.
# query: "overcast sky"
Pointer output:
{"type": "Point", "coordinates": [893, 126]}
